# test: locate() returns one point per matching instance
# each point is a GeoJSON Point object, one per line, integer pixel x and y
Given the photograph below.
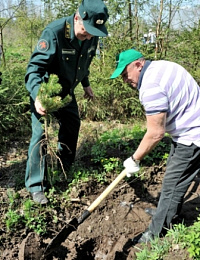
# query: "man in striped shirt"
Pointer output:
{"type": "Point", "coordinates": [171, 99]}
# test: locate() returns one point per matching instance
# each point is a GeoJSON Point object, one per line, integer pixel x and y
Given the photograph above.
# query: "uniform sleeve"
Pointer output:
{"type": "Point", "coordinates": [85, 82]}
{"type": "Point", "coordinates": [39, 62]}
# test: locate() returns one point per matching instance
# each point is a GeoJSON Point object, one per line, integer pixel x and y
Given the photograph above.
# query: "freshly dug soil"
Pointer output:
{"type": "Point", "coordinates": [108, 232]}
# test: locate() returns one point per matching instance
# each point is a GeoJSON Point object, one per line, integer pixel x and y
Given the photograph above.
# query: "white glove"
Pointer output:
{"type": "Point", "coordinates": [132, 166]}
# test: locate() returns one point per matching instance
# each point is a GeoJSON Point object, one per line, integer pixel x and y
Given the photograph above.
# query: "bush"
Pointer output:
{"type": "Point", "coordinates": [113, 98]}
{"type": "Point", "coordinates": [14, 105]}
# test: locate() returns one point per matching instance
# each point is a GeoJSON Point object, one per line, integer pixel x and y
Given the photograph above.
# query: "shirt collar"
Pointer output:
{"type": "Point", "coordinates": [146, 65]}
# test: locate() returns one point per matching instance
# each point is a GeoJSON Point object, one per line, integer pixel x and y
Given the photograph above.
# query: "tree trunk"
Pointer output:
{"type": "Point", "coordinates": [158, 30]}
{"type": "Point", "coordinates": [1, 47]}
{"type": "Point", "coordinates": [130, 21]}
{"type": "Point", "coordinates": [136, 22]}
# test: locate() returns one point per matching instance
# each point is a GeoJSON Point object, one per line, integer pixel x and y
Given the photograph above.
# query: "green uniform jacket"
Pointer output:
{"type": "Point", "coordinates": [59, 52]}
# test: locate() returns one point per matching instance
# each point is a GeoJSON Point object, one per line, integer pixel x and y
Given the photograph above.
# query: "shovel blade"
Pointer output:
{"type": "Point", "coordinates": [74, 223]}
{"type": "Point", "coordinates": [61, 236]}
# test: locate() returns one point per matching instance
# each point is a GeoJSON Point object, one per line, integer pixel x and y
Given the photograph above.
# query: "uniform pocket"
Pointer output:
{"type": "Point", "coordinates": [68, 55]}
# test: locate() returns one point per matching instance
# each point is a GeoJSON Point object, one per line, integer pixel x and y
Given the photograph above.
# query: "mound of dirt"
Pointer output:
{"type": "Point", "coordinates": [106, 234]}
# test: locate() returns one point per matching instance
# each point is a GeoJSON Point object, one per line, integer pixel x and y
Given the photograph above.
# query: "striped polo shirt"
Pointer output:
{"type": "Point", "coordinates": [168, 87]}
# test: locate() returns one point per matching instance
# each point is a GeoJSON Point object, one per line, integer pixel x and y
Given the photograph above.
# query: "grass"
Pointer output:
{"type": "Point", "coordinates": [168, 247]}
{"type": "Point", "coordinates": [179, 241]}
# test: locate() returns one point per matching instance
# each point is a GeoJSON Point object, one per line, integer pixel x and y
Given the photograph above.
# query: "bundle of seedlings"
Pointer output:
{"type": "Point", "coordinates": [50, 100]}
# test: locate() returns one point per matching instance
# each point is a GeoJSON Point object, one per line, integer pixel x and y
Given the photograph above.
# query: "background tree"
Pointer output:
{"type": "Point", "coordinates": [21, 25]}
{"type": "Point", "coordinates": [8, 11]}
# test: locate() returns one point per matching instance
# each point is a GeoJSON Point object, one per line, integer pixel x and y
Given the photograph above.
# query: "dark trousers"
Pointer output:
{"type": "Point", "coordinates": [182, 166]}
{"type": "Point", "coordinates": [69, 125]}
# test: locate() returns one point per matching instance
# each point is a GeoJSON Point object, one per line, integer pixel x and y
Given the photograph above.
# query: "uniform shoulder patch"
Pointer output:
{"type": "Point", "coordinates": [42, 45]}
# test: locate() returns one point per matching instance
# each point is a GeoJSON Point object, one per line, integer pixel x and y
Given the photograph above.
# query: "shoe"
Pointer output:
{"type": "Point", "coordinates": [144, 237]}
{"type": "Point", "coordinates": [39, 197]}
{"type": "Point", "coordinates": [150, 211]}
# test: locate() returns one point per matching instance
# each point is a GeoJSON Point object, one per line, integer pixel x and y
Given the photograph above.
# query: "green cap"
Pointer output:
{"type": "Point", "coordinates": [125, 58]}
{"type": "Point", "coordinates": [94, 14]}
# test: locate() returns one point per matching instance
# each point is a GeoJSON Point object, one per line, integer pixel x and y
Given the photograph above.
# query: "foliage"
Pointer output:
{"type": "Point", "coordinates": [14, 100]}
{"type": "Point", "coordinates": [48, 95]}
{"type": "Point", "coordinates": [159, 248]}
{"type": "Point", "coordinates": [105, 154]}
{"type": "Point", "coordinates": [12, 219]}
{"type": "Point", "coordinates": [33, 217]}
{"type": "Point", "coordinates": [26, 214]}
{"type": "Point", "coordinates": [123, 142]}
{"type": "Point", "coordinates": [178, 233]}
{"type": "Point", "coordinates": [193, 240]}
{"type": "Point", "coordinates": [113, 98]}
{"type": "Point", "coordinates": [186, 52]}
{"type": "Point", "coordinates": [61, 8]}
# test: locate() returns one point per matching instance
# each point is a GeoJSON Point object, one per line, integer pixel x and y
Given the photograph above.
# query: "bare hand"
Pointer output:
{"type": "Point", "coordinates": [39, 108]}
{"type": "Point", "coordinates": [88, 93]}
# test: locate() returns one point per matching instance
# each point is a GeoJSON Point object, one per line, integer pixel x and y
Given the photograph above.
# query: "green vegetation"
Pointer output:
{"type": "Point", "coordinates": [179, 237]}
{"type": "Point", "coordinates": [48, 95]}
{"type": "Point", "coordinates": [102, 152]}
{"type": "Point", "coordinates": [193, 240]}
{"type": "Point", "coordinates": [24, 215]}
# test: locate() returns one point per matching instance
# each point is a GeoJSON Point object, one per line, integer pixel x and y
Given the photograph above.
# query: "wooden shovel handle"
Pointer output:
{"type": "Point", "coordinates": [107, 191]}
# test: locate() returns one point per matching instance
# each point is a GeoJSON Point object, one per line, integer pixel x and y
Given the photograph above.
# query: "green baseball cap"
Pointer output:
{"type": "Point", "coordinates": [123, 59]}
{"type": "Point", "coordinates": [94, 14]}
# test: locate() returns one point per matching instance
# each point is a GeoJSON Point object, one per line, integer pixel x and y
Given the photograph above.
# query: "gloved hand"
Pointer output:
{"type": "Point", "coordinates": [132, 166]}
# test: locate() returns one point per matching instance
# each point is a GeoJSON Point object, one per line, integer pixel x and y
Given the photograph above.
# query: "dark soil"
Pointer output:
{"type": "Point", "coordinates": [107, 233]}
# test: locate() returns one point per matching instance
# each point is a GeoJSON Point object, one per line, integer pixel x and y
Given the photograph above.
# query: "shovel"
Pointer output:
{"type": "Point", "coordinates": [74, 223]}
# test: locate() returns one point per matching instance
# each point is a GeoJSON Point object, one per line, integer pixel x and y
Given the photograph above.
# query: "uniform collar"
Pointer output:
{"type": "Point", "coordinates": [69, 32]}
{"type": "Point", "coordinates": [70, 24]}
{"type": "Point", "coordinates": [146, 65]}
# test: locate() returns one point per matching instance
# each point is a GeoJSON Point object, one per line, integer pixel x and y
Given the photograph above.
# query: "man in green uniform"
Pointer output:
{"type": "Point", "coordinates": [65, 48]}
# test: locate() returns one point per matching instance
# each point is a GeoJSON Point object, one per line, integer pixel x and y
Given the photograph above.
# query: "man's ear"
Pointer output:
{"type": "Point", "coordinates": [138, 65]}
{"type": "Point", "coordinates": [75, 18]}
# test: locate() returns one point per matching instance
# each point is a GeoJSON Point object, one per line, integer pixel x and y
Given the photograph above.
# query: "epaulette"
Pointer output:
{"type": "Point", "coordinates": [67, 30]}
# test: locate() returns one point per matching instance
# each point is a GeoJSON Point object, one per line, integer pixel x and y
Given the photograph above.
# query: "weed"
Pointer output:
{"type": "Point", "coordinates": [120, 143]}
{"type": "Point", "coordinates": [12, 197]}
{"type": "Point", "coordinates": [157, 251]}
{"type": "Point", "coordinates": [177, 233]}
{"type": "Point", "coordinates": [12, 219]}
{"type": "Point", "coordinates": [193, 240]}
{"type": "Point", "coordinates": [110, 164]}
{"type": "Point", "coordinates": [143, 254]}
{"type": "Point", "coordinates": [160, 248]}
{"type": "Point", "coordinates": [19, 215]}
